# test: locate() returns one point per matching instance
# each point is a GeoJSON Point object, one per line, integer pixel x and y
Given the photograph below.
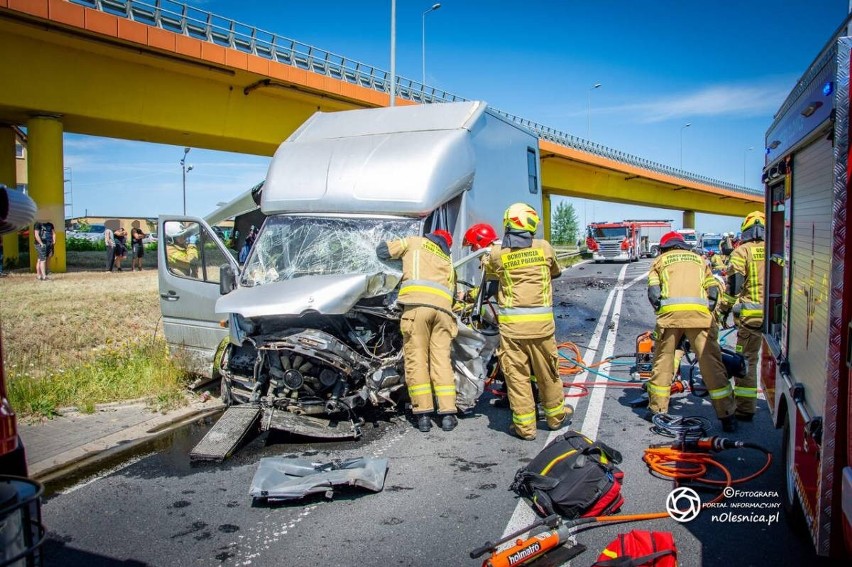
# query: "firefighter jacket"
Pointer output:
{"type": "Point", "coordinates": [717, 263]}
{"type": "Point", "coordinates": [679, 285]}
{"type": "Point", "coordinates": [525, 296]}
{"type": "Point", "coordinates": [745, 281]}
{"type": "Point", "coordinates": [428, 276]}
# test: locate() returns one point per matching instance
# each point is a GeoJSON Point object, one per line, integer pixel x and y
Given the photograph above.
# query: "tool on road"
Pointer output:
{"type": "Point", "coordinates": [525, 550]}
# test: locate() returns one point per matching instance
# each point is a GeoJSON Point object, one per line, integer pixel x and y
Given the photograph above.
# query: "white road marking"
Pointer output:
{"type": "Point", "coordinates": [592, 418]}
{"type": "Point", "coordinates": [523, 514]}
{"type": "Point", "coordinates": [636, 280]}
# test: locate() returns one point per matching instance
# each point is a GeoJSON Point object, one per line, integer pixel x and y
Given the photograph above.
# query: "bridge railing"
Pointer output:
{"type": "Point", "coordinates": [193, 22]}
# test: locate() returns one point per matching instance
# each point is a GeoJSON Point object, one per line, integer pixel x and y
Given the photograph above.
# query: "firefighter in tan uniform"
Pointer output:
{"type": "Point", "coordinates": [428, 325]}
{"type": "Point", "coordinates": [524, 267]}
{"type": "Point", "coordinates": [683, 292]}
{"type": "Point", "coordinates": [744, 294]}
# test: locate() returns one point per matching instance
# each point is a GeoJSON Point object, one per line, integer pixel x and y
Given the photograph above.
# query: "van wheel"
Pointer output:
{"type": "Point", "coordinates": [792, 504]}
{"type": "Point", "coordinates": [654, 251]}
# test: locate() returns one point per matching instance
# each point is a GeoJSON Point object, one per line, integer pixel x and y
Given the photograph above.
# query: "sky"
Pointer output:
{"type": "Point", "coordinates": [722, 67]}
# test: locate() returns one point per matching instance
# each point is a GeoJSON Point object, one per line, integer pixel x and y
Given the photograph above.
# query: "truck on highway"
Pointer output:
{"type": "Point", "coordinates": [312, 325]}
{"type": "Point", "coordinates": [650, 233]}
{"type": "Point", "coordinates": [806, 361]}
{"type": "Point", "coordinates": [614, 241]}
{"type": "Point", "coordinates": [689, 236]}
{"type": "Point", "coordinates": [711, 241]}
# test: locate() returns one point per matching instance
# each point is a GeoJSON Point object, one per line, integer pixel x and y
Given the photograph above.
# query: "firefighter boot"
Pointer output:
{"type": "Point", "coordinates": [424, 422]}
{"type": "Point", "coordinates": [449, 422]}
{"type": "Point", "coordinates": [729, 424]}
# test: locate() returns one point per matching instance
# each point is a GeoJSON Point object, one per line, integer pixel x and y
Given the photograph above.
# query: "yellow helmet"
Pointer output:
{"type": "Point", "coordinates": [522, 217]}
{"type": "Point", "coordinates": [753, 218]}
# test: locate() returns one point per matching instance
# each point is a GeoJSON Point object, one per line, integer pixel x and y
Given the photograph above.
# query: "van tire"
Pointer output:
{"type": "Point", "coordinates": [655, 251]}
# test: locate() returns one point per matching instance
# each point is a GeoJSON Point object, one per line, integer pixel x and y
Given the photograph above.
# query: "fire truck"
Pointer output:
{"type": "Point", "coordinates": [806, 358]}
{"type": "Point", "coordinates": [614, 241]}
{"type": "Point", "coordinates": [651, 232]}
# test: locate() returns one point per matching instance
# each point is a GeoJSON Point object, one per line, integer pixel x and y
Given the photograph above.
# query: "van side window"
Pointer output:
{"type": "Point", "coordinates": [532, 170]}
{"type": "Point", "coordinates": [191, 252]}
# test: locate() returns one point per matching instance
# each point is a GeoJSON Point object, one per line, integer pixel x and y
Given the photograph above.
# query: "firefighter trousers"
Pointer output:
{"type": "Point", "coordinates": [517, 358]}
{"type": "Point", "coordinates": [427, 334]}
{"type": "Point", "coordinates": [704, 344]}
{"type": "Point", "coordinates": [748, 344]}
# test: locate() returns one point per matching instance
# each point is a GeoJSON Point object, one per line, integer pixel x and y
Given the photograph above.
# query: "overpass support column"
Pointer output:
{"type": "Point", "coordinates": [8, 177]}
{"type": "Point", "coordinates": [45, 181]}
{"type": "Point", "coordinates": [688, 219]}
{"type": "Point", "coordinates": [545, 215]}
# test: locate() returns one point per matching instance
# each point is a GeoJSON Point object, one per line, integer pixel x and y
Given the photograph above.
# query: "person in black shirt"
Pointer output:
{"type": "Point", "coordinates": [45, 240]}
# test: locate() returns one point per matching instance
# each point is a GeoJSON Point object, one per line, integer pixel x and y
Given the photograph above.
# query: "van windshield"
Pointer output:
{"type": "Point", "coordinates": [290, 247]}
{"type": "Point", "coordinates": [608, 232]}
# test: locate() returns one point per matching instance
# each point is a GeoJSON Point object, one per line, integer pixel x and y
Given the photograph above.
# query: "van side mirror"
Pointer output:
{"type": "Point", "coordinates": [227, 279]}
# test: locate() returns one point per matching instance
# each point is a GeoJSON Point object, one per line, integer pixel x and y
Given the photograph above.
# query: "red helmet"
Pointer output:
{"type": "Point", "coordinates": [448, 238]}
{"type": "Point", "coordinates": [479, 236]}
{"type": "Point", "coordinates": [670, 239]}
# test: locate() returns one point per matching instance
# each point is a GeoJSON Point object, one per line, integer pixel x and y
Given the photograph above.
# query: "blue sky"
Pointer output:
{"type": "Point", "coordinates": [724, 67]}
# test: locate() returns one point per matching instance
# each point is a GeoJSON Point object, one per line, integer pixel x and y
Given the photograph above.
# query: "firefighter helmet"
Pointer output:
{"type": "Point", "coordinates": [671, 239]}
{"type": "Point", "coordinates": [753, 218]}
{"type": "Point", "coordinates": [521, 216]}
{"type": "Point", "coordinates": [448, 238]}
{"type": "Point", "coordinates": [479, 236]}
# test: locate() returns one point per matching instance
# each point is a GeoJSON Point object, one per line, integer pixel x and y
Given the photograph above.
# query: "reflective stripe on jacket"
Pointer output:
{"type": "Point", "coordinates": [683, 278]}
{"type": "Point", "coordinates": [428, 277]}
{"type": "Point", "coordinates": [525, 298]}
{"type": "Point", "coordinates": [749, 260]}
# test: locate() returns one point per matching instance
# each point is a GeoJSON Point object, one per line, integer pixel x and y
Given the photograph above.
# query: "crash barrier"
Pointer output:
{"type": "Point", "coordinates": [21, 530]}
{"type": "Point", "coordinates": [192, 22]}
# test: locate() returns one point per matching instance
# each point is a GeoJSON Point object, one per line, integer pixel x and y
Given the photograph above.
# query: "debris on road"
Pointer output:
{"type": "Point", "coordinates": [280, 478]}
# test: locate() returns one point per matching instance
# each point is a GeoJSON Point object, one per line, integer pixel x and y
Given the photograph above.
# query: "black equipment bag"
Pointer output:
{"type": "Point", "coordinates": [573, 477]}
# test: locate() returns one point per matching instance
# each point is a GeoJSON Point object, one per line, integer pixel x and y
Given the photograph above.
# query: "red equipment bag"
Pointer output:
{"type": "Point", "coordinates": [639, 548]}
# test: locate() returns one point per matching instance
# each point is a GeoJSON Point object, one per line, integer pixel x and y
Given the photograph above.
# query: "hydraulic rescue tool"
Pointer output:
{"type": "Point", "coordinates": [526, 550]}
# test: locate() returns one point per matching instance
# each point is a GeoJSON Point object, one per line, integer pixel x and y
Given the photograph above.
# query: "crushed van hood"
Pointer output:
{"type": "Point", "coordinates": [327, 294]}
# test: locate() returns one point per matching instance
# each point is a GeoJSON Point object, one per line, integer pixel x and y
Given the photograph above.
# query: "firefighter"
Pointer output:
{"type": "Point", "coordinates": [427, 323]}
{"type": "Point", "coordinates": [684, 292]}
{"type": "Point", "coordinates": [744, 295]}
{"type": "Point", "coordinates": [479, 236]}
{"type": "Point", "coordinates": [524, 267]}
{"type": "Point", "coordinates": [717, 262]}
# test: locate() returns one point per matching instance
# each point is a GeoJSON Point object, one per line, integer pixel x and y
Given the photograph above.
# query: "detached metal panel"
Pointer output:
{"type": "Point", "coordinates": [812, 195]}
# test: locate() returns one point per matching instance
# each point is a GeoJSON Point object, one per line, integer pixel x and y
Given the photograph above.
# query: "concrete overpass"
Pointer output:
{"type": "Point", "coordinates": [160, 71]}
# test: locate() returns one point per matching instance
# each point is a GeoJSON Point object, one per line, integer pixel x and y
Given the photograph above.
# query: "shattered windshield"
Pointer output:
{"type": "Point", "coordinates": [290, 247]}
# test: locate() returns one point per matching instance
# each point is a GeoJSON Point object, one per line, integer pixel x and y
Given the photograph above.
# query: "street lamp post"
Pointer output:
{"type": "Point", "coordinates": [393, 55]}
{"type": "Point", "coordinates": [432, 9]}
{"type": "Point", "coordinates": [184, 168]}
{"type": "Point", "coordinates": [745, 153]}
{"type": "Point", "coordinates": [682, 128]}
{"type": "Point", "coordinates": [589, 114]}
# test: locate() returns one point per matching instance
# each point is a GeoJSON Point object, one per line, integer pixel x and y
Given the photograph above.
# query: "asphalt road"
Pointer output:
{"type": "Point", "coordinates": [445, 493]}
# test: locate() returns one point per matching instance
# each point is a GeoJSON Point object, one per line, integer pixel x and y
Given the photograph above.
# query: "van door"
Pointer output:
{"type": "Point", "coordinates": [190, 257]}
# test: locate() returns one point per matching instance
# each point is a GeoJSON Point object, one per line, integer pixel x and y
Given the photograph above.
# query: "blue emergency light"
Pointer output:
{"type": "Point", "coordinates": [827, 88]}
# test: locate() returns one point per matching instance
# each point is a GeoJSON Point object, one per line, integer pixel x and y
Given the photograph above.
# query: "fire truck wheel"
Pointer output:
{"type": "Point", "coordinates": [792, 504]}
{"type": "Point", "coordinates": [655, 252]}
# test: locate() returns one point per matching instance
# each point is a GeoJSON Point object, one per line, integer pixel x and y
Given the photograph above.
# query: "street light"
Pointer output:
{"type": "Point", "coordinates": [393, 55]}
{"type": "Point", "coordinates": [589, 115]}
{"type": "Point", "coordinates": [682, 128]}
{"type": "Point", "coordinates": [185, 168]}
{"type": "Point", "coordinates": [432, 9]}
{"type": "Point", "coordinates": [745, 153]}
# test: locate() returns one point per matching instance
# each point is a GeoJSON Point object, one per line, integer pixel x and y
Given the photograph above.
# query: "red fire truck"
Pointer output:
{"type": "Point", "coordinates": [807, 351]}
{"type": "Point", "coordinates": [614, 241]}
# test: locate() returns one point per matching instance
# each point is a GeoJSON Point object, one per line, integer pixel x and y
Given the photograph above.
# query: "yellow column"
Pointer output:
{"type": "Point", "coordinates": [9, 179]}
{"type": "Point", "coordinates": [44, 170]}
{"type": "Point", "coordinates": [545, 214]}
{"type": "Point", "coordinates": [688, 219]}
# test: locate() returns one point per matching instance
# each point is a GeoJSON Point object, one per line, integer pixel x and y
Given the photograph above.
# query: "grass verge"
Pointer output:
{"type": "Point", "coordinates": [85, 338]}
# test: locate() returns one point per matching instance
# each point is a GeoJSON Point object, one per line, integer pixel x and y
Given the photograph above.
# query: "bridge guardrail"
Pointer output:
{"type": "Point", "coordinates": [187, 20]}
